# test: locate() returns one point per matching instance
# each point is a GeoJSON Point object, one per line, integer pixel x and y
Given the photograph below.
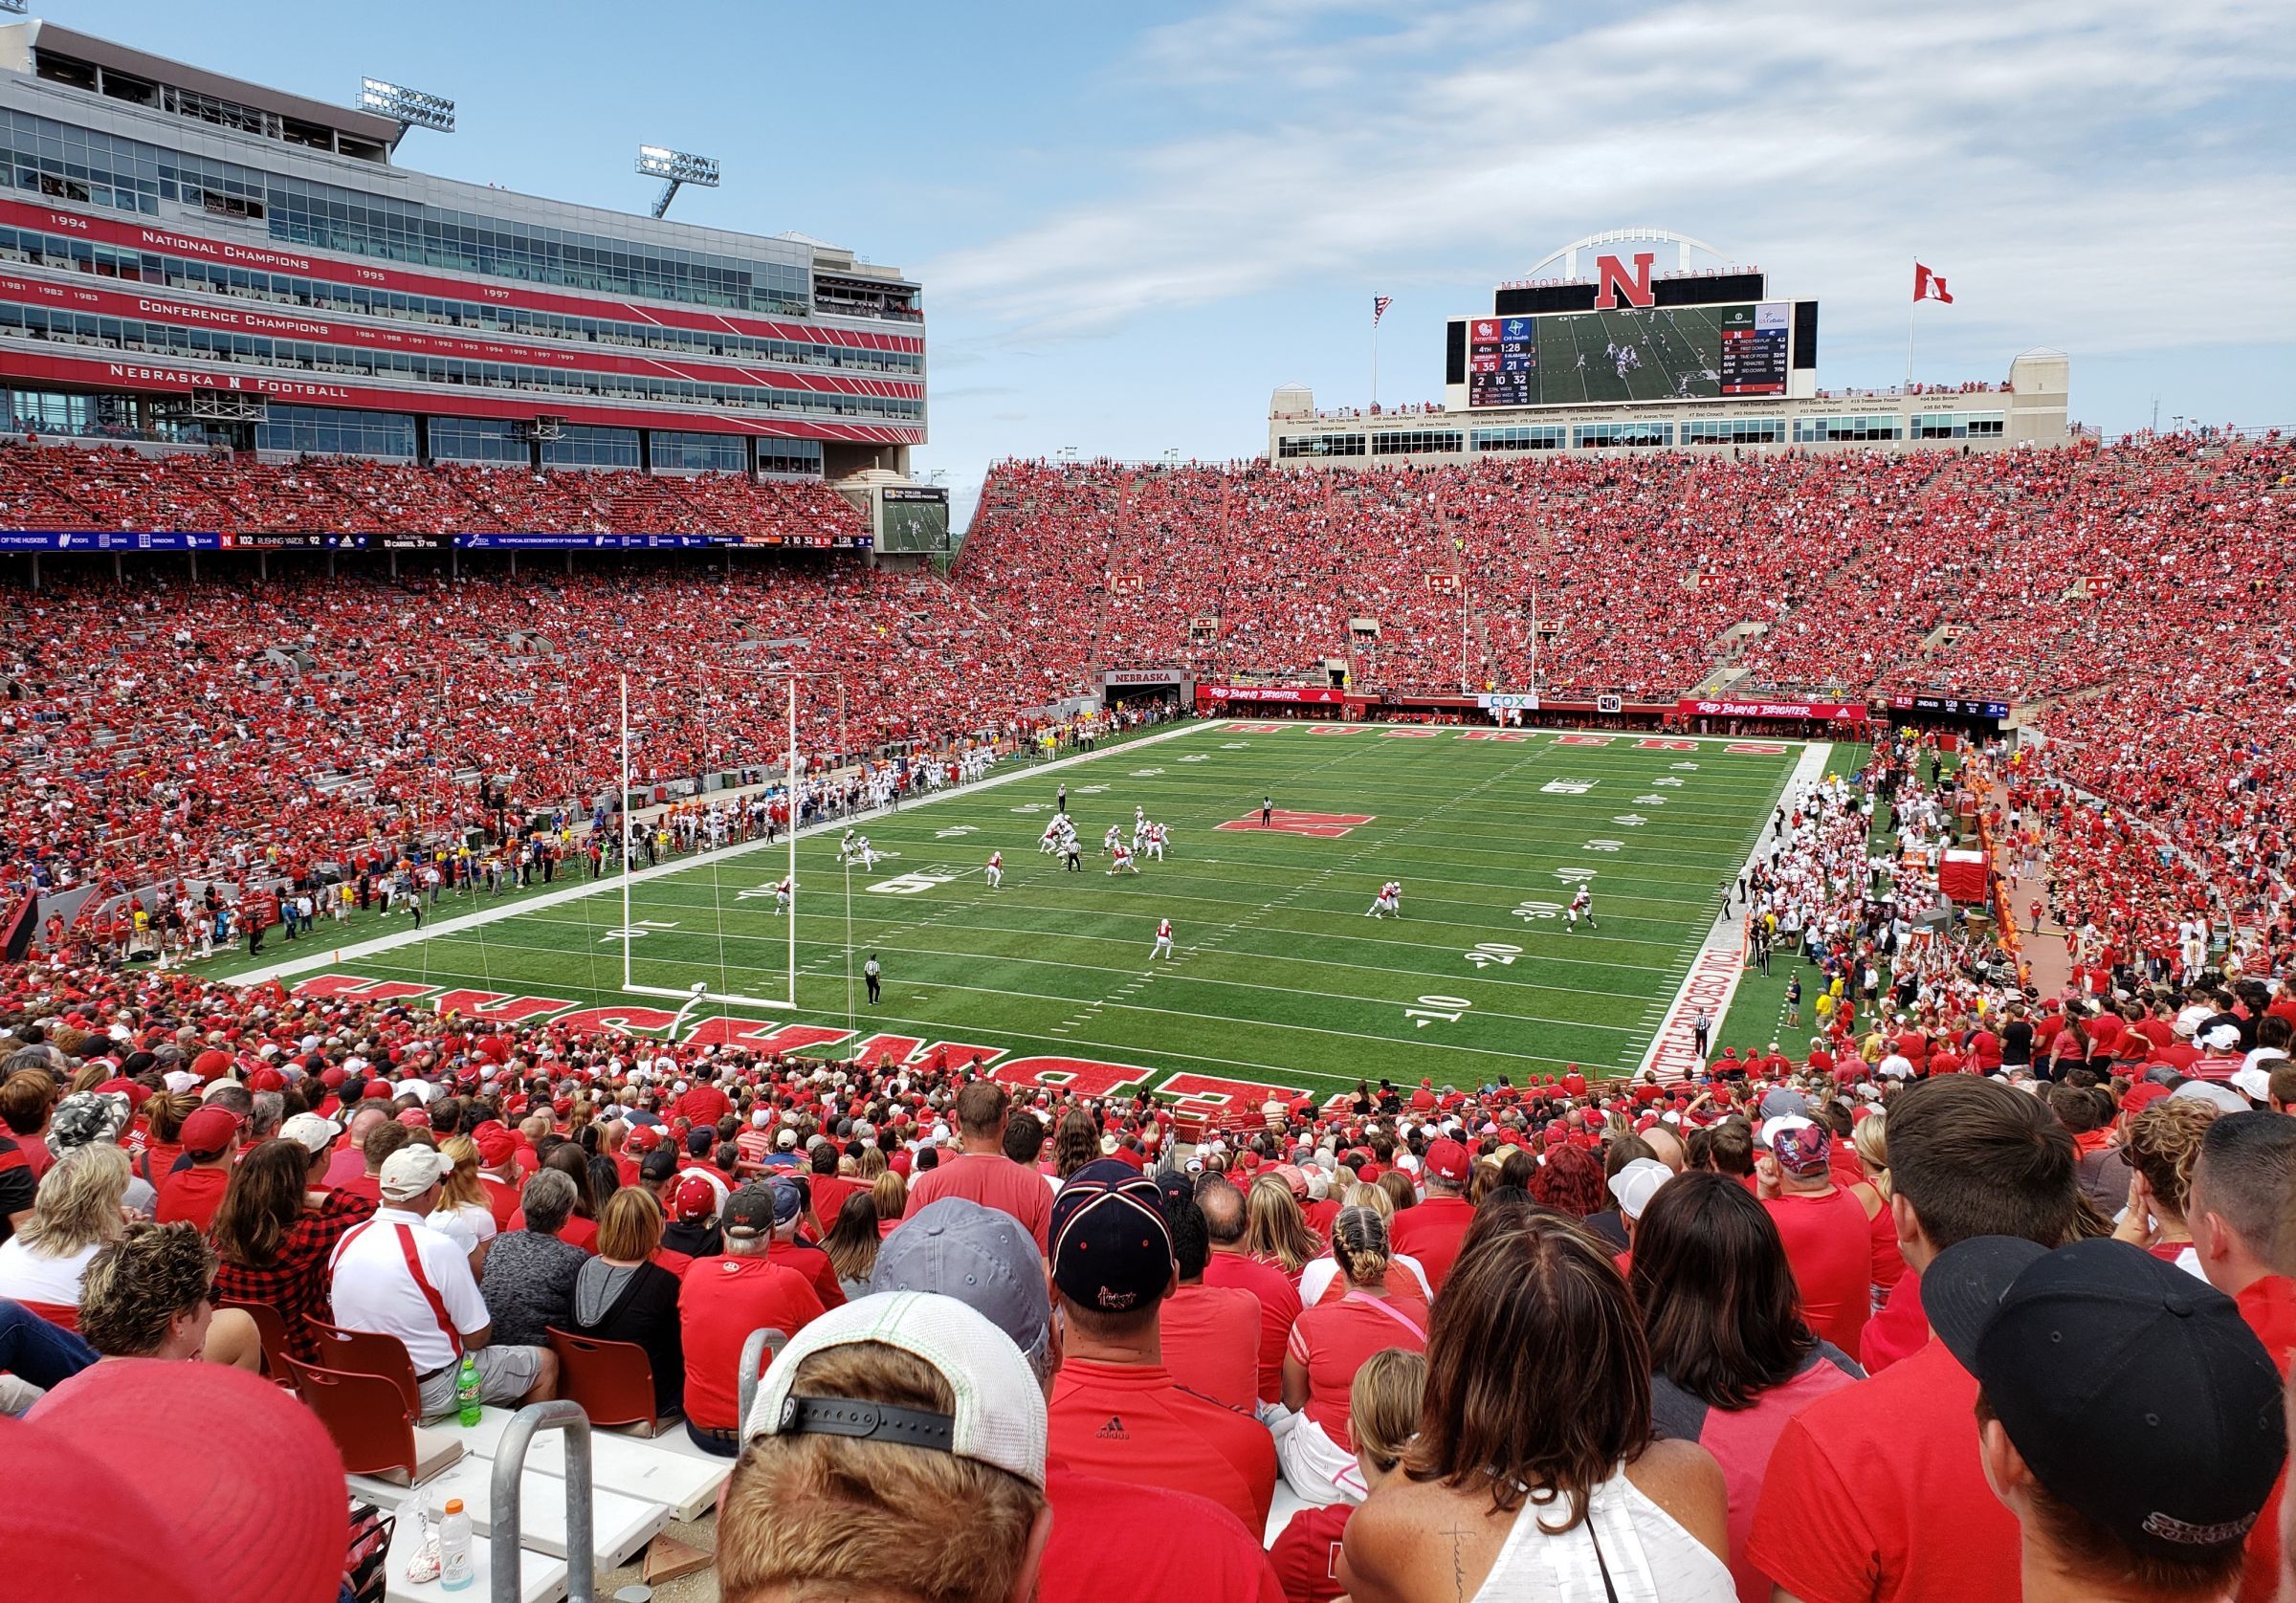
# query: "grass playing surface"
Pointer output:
{"type": "Point", "coordinates": [1280, 978]}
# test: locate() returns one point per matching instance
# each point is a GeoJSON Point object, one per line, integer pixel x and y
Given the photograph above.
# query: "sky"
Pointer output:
{"type": "Point", "coordinates": [1132, 224]}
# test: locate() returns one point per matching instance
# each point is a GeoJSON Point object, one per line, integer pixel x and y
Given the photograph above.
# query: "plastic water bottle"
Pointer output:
{"type": "Point", "coordinates": [467, 1397]}
{"type": "Point", "coordinates": [454, 1571]}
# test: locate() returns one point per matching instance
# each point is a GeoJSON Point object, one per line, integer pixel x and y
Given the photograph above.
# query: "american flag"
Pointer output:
{"type": "Point", "coordinates": [1378, 307]}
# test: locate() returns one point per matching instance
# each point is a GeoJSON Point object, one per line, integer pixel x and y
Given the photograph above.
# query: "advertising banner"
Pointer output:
{"type": "Point", "coordinates": [1825, 711]}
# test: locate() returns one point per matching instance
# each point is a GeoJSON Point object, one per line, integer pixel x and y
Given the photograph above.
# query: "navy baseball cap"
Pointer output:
{"type": "Point", "coordinates": [2133, 1391]}
{"type": "Point", "coordinates": [1112, 1246]}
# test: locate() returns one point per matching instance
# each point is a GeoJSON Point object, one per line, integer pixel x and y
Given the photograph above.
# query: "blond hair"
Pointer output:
{"type": "Point", "coordinates": [1382, 1405]}
{"type": "Point", "coordinates": [891, 1194]}
{"type": "Point", "coordinates": [1360, 1246]}
{"type": "Point", "coordinates": [1374, 1198]}
{"type": "Point", "coordinates": [629, 1226]}
{"type": "Point", "coordinates": [78, 1204]}
{"type": "Point", "coordinates": [1276, 1229]}
{"type": "Point", "coordinates": [2164, 1143]}
{"type": "Point", "coordinates": [1869, 1136]}
{"type": "Point", "coordinates": [823, 1516]}
{"type": "Point", "coordinates": [461, 1188]}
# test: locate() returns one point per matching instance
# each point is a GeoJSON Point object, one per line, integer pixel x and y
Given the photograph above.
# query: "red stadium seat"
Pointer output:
{"type": "Point", "coordinates": [366, 1352]}
{"type": "Point", "coordinates": [612, 1380]}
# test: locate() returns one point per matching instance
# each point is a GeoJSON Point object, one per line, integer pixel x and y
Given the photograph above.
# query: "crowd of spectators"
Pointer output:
{"type": "Point", "coordinates": [1788, 1322]}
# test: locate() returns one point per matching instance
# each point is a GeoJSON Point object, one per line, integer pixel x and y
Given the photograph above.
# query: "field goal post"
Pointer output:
{"type": "Point", "coordinates": [702, 992]}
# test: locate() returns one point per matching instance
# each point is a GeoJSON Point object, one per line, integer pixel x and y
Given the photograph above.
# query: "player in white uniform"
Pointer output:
{"type": "Point", "coordinates": [1114, 839]}
{"type": "Point", "coordinates": [994, 873]}
{"type": "Point", "coordinates": [1140, 827]}
{"type": "Point", "coordinates": [1163, 941]}
{"type": "Point", "coordinates": [1123, 862]}
{"type": "Point", "coordinates": [1155, 841]}
{"type": "Point", "coordinates": [1583, 906]}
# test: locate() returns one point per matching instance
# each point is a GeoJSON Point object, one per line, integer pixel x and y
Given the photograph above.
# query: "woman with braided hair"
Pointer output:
{"type": "Point", "coordinates": [1315, 1443]}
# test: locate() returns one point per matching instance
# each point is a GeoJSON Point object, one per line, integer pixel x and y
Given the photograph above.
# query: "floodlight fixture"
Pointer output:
{"type": "Point", "coordinates": [676, 167]}
{"type": "Point", "coordinates": [409, 108]}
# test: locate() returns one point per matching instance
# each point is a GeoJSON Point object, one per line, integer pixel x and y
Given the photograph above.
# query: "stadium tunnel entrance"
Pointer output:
{"type": "Point", "coordinates": [1139, 688]}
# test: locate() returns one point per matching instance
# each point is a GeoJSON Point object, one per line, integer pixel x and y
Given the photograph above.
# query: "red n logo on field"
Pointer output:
{"type": "Point", "coordinates": [1755, 748]}
{"type": "Point", "coordinates": [1329, 826]}
{"type": "Point", "coordinates": [1612, 285]}
{"type": "Point", "coordinates": [1665, 745]}
{"type": "Point", "coordinates": [1584, 739]}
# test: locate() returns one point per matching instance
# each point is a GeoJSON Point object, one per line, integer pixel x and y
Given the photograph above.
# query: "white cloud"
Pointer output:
{"type": "Point", "coordinates": [2065, 164]}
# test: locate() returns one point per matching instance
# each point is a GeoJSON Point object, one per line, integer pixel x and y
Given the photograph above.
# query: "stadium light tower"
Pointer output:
{"type": "Point", "coordinates": [409, 108]}
{"type": "Point", "coordinates": [676, 168]}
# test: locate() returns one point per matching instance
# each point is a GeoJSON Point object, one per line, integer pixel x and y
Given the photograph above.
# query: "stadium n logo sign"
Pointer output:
{"type": "Point", "coordinates": [1613, 286]}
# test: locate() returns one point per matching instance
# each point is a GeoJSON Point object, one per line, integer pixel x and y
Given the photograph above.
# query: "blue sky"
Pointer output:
{"type": "Point", "coordinates": [1133, 223]}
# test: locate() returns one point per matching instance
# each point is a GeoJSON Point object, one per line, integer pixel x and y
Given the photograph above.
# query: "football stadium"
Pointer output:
{"type": "Point", "coordinates": [1661, 979]}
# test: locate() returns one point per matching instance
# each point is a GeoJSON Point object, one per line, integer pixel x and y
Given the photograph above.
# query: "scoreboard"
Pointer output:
{"type": "Point", "coordinates": [1502, 361]}
{"type": "Point", "coordinates": [1631, 354]}
{"type": "Point", "coordinates": [1753, 360]}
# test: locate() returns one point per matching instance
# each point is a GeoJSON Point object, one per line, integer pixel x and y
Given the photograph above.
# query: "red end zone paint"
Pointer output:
{"type": "Point", "coordinates": [1755, 748]}
{"type": "Point", "coordinates": [497, 1006]}
{"type": "Point", "coordinates": [1257, 729]}
{"type": "Point", "coordinates": [1078, 1076]}
{"type": "Point", "coordinates": [1406, 734]}
{"type": "Point", "coordinates": [1584, 739]}
{"type": "Point", "coordinates": [355, 989]}
{"type": "Point", "coordinates": [760, 1035]}
{"type": "Point", "coordinates": [892, 1051]}
{"type": "Point", "coordinates": [1210, 1094]}
{"type": "Point", "coordinates": [1324, 825]}
{"type": "Point", "coordinates": [1492, 735]}
{"type": "Point", "coordinates": [630, 1020]}
{"type": "Point", "coordinates": [1670, 746]}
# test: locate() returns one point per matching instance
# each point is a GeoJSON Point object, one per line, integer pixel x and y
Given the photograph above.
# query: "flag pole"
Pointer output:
{"type": "Point", "coordinates": [1375, 362]}
{"type": "Point", "coordinates": [1910, 306]}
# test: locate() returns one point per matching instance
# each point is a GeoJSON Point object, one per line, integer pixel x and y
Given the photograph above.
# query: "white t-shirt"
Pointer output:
{"type": "Point", "coordinates": [27, 1277]}
{"type": "Point", "coordinates": [375, 1290]}
{"type": "Point", "coordinates": [468, 1222]}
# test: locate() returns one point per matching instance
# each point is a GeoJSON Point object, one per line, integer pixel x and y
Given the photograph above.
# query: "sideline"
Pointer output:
{"type": "Point", "coordinates": [609, 884]}
{"type": "Point", "coordinates": [1714, 973]}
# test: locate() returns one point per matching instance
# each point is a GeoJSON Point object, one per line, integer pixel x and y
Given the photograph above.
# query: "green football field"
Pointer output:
{"type": "Point", "coordinates": [1280, 978]}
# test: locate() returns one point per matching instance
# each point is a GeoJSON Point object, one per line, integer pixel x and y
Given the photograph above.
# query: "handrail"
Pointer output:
{"type": "Point", "coordinates": [509, 1462]}
{"type": "Point", "coordinates": [759, 1342]}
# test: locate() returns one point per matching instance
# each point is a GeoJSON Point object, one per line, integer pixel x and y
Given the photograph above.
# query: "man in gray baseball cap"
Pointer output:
{"type": "Point", "coordinates": [988, 1261]}
{"type": "Point", "coordinates": [982, 1258]}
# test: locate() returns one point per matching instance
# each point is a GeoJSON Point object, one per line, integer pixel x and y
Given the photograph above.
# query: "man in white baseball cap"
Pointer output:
{"type": "Point", "coordinates": [897, 1451]}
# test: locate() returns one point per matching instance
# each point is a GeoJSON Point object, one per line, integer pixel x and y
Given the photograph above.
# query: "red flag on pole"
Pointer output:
{"type": "Point", "coordinates": [1929, 286]}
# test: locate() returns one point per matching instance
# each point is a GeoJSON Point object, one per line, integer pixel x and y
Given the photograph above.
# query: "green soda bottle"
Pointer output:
{"type": "Point", "coordinates": [466, 1392]}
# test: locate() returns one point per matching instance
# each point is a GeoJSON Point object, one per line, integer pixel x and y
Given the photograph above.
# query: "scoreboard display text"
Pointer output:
{"type": "Point", "coordinates": [1665, 353]}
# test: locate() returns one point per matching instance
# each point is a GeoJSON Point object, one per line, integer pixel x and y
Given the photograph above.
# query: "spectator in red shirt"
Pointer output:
{"type": "Point", "coordinates": [788, 1195]}
{"type": "Point", "coordinates": [703, 1103]}
{"type": "Point", "coordinates": [1330, 1344]}
{"type": "Point", "coordinates": [2070, 1432]}
{"type": "Point", "coordinates": [500, 1177]}
{"type": "Point", "coordinates": [2241, 1184]}
{"type": "Point", "coordinates": [1115, 1410]}
{"type": "Point", "coordinates": [980, 1172]}
{"type": "Point", "coordinates": [1828, 1242]}
{"type": "Point", "coordinates": [1232, 1266]}
{"type": "Point", "coordinates": [722, 1299]}
{"type": "Point", "coordinates": [982, 1258]}
{"type": "Point", "coordinates": [380, 1142]}
{"type": "Point", "coordinates": [1210, 1333]}
{"type": "Point", "coordinates": [1384, 1411]}
{"type": "Point", "coordinates": [1865, 1487]}
{"type": "Point", "coordinates": [210, 1140]}
{"type": "Point", "coordinates": [277, 1226]}
{"type": "Point", "coordinates": [1432, 1229]}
